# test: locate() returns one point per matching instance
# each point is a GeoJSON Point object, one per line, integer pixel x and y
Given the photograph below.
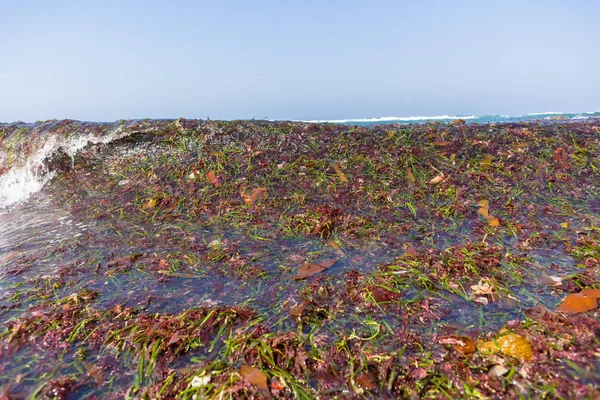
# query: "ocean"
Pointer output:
{"type": "Point", "coordinates": [477, 119]}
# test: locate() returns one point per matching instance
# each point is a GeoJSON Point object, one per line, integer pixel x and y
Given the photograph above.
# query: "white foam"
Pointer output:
{"type": "Point", "coordinates": [19, 183]}
{"type": "Point", "coordinates": [387, 119]}
{"type": "Point", "coordinates": [546, 113]}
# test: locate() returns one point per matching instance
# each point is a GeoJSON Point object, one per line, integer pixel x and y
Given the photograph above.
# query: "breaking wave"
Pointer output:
{"type": "Point", "coordinates": [27, 151]}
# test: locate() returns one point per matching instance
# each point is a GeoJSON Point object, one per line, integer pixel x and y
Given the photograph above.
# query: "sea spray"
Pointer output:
{"type": "Point", "coordinates": [26, 150]}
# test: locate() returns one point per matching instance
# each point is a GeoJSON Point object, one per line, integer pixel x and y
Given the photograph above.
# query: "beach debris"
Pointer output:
{"type": "Point", "coordinates": [308, 270]}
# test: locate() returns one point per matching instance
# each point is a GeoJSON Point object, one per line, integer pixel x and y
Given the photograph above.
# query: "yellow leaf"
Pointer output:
{"type": "Point", "coordinates": [564, 225]}
{"type": "Point", "coordinates": [340, 173]}
{"type": "Point", "coordinates": [218, 154]}
{"type": "Point", "coordinates": [483, 203]}
{"type": "Point", "coordinates": [484, 212]}
{"type": "Point", "coordinates": [486, 162]}
{"type": "Point", "coordinates": [494, 222]}
{"type": "Point", "coordinates": [150, 204]}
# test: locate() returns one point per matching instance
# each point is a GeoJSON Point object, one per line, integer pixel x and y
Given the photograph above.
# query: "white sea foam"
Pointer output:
{"type": "Point", "coordinates": [546, 113]}
{"type": "Point", "coordinates": [388, 119]}
{"type": "Point", "coordinates": [22, 181]}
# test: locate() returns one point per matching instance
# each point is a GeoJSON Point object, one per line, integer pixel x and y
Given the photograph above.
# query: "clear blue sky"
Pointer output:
{"type": "Point", "coordinates": [106, 60]}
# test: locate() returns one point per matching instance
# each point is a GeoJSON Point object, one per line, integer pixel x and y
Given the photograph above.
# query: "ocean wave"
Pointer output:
{"type": "Point", "coordinates": [34, 145]}
{"type": "Point", "coordinates": [22, 181]}
{"type": "Point", "coordinates": [388, 119]}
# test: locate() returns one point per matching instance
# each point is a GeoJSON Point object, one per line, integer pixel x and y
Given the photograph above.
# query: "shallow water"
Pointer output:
{"type": "Point", "coordinates": [133, 221]}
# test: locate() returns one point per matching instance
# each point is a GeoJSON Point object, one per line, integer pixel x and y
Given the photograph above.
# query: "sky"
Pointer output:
{"type": "Point", "coordinates": [109, 60]}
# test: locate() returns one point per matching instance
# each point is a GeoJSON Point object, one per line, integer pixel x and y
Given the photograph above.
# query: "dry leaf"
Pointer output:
{"type": "Point", "coordinates": [218, 154]}
{"type": "Point", "coordinates": [255, 196]}
{"type": "Point", "coordinates": [381, 295]}
{"type": "Point", "coordinates": [486, 162]}
{"type": "Point", "coordinates": [410, 250]}
{"type": "Point", "coordinates": [462, 344]}
{"type": "Point", "coordinates": [367, 381]}
{"type": "Point", "coordinates": [150, 204]}
{"type": "Point", "coordinates": [255, 377]}
{"type": "Point", "coordinates": [482, 288]}
{"type": "Point", "coordinates": [410, 175]}
{"type": "Point", "coordinates": [258, 194]}
{"type": "Point", "coordinates": [483, 203]}
{"type": "Point", "coordinates": [484, 212]}
{"type": "Point", "coordinates": [437, 179]}
{"type": "Point", "coordinates": [212, 178]}
{"type": "Point", "coordinates": [337, 248]}
{"type": "Point", "coordinates": [564, 225]}
{"type": "Point", "coordinates": [578, 303]}
{"type": "Point", "coordinates": [591, 293]}
{"type": "Point", "coordinates": [494, 222]}
{"type": "Point", "coordinates": [308, 270]}
{"type": "Point", "coordinates": [442, 143]}
{"type": "Point", "coordinates": [297, 311]}
{"type": "Point", "coordinates": [340, 173]}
